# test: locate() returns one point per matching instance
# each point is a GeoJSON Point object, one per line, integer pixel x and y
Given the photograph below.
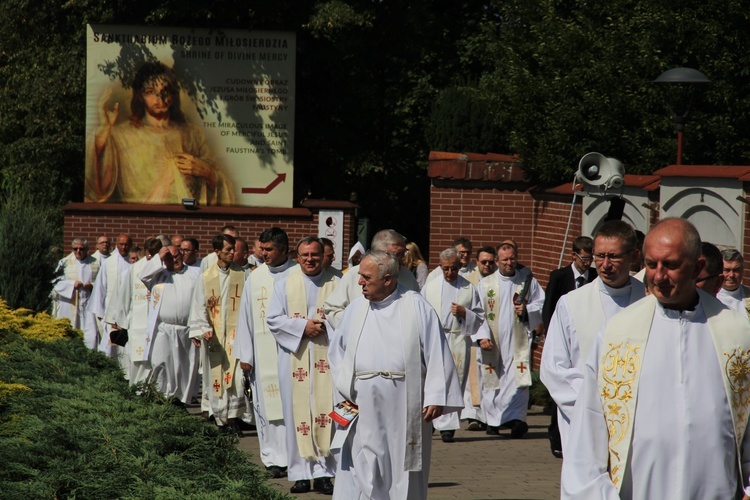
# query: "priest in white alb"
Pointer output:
{"type": "Point", "coordinates": [733, 293]}
{"type": "Point", "coordinates": [257, 351]}
{"type": "Point", "coordinates": [104, 295]}
{"type": "Point", "coordinates": [168, 349]}
{"type": "Point", "coordinates": [72, 289]}
{"type": "Point", "coordinates": [297, 322]}
{"type": "Point", "coordinates": [459, 308]}
{"type": "Point", "coordinates": [663, 409]}
{"type": "Point", "coordinates": [214, 313]}
{"type": "Point", "coordinates": [386, 240]}
{"type": "Point", "coordinates": [390, 358]}
{"type": "Point", "coordinates": [513, 301]}
{"type": "Point", "coordinates": [131, 312]}
{"type": "Point", "coordinates": [581, 313]}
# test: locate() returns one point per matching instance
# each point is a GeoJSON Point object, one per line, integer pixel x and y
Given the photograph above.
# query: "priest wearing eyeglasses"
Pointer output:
{"type": "Point", "coordinates": [583, 312]}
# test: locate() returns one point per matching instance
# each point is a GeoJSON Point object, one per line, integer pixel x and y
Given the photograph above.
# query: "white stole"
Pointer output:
{"type": "Point", "coordinates": [456, 341]}
{"type": "Point", "coordinates": [143, 351]}
{"type": "Point", "coordinates": [588, 315]}
{"type": "Point", "coordinates": [490, 286]}
{"type": "Point", "coordinates": [413, 376]}
{"type": "Point", "coordinates": [138, 314]}
{"type": "Point", "coordinates": [266, 372]}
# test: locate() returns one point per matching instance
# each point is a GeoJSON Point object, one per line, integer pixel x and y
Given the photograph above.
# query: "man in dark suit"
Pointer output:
{"type": "Point", "coordinates": [562, 281]}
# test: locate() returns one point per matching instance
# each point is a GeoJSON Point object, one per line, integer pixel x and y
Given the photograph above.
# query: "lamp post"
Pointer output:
{"type": "Point", "coordinates": [687, 78]}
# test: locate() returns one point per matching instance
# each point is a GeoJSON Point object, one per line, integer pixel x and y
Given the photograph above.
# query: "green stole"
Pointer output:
{"type": "Point", "coordinates": [623, 345]}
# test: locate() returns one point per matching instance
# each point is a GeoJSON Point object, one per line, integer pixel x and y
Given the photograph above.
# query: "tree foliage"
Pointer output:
{"type": "Point", "coordinates": [554, 80]}
{"type": "Point", "coordinates": [30, 229]}
{"type": "Point", "coordinates": [463, 119]}
{"type": "Point", "coordinates": [577, 76]}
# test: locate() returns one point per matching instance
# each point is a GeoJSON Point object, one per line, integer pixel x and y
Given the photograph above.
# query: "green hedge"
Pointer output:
{"type": "Point", "coordinates": [70, 427]}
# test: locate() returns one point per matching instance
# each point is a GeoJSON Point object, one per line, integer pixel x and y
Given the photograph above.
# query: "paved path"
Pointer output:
{"type": "Point", "coordinates": [478, 466]}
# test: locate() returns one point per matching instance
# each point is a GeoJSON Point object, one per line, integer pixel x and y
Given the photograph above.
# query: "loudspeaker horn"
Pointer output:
{"type": "Point", "coordinates": [595, 169]}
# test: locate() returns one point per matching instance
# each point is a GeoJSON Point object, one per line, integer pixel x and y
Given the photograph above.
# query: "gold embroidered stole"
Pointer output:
{"type": "Point", "coordinates": [306, 420]}
{"type": "Point", "coordinates": [456, 341]}
{"type": "Point", "coordinates": [266, 369]}
{"type": "Point", "coordinates": [490, 286]}
{"type": "Point", "coordinates": [224, 324]}
{"type": "Point", "coordinates": [623, 344]}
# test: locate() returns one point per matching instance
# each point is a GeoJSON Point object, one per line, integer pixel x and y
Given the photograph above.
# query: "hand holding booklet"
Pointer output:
{"type": "Point", "coordinates": [344, 413]}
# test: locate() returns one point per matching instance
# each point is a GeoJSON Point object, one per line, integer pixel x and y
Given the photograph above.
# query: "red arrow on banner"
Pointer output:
{"type": "Point", "coordinates": [278, 180]}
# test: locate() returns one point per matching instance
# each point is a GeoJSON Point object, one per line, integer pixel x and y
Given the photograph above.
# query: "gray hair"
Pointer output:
{"type": "Point", "coordinates": [385, 238]}
{"type": "Point", "coordinates": [309, 240]}
{"type": "Point", "coordinates": [82, 241]}
{"type": "Point", "coordinates": [165, 240]}
{"type": "Point", "coordinates": [448, 254]}
{"type": "Point", "coordinates": [386, 262]}
{"type": "Point", "coordinates": [732, 255]}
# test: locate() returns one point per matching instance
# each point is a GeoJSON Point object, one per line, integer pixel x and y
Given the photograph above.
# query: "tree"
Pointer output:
{"type": "Point", "coordinates": [576, 77]}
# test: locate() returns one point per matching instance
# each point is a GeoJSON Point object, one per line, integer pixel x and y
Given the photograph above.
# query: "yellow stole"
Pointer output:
{"type": "Point", "coordinates": [224, 324]}
{"type": "Point", "coordinates": [71, 271]}
{"type": "Point", "coordinates": [623, 345]}
{"type": "Point", "coordinates": [306, 420]}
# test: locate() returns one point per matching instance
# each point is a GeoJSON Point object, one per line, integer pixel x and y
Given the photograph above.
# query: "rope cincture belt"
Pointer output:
{"type": "Point", "coordinates": [366, 375]}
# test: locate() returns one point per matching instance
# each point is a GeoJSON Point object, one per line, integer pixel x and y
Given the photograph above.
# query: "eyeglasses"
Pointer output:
{"type": "Point", "coordinates": [186, 250]}
{"type": "Point", "coordinates": [706, 278]}
{"type": "Point", "coordinates": [79, 249]}
{"type": "Point", "coordinates": [586, 260]}
{"type": "Point", "coordinates": [613, 257]}
{"type": "Point", "coordinates": [310, 256]}
{"type": "Point", "coordinates": [449, 268]}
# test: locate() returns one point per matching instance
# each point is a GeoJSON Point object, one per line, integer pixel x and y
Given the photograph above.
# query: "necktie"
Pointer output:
{"type": "Point", "coordinates": [580, 281]}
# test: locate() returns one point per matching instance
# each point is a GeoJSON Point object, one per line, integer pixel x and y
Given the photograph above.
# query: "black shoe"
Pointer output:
{"type": "Point", "coordinates": [518, 428]}
{"type": "Point", "coordinates": [276, 471]}
{"type": "Point", "coordinates": [302, 486]}
{"type": "Point", "coordinates": [323, 485]}
{"type": "Point", "coordinates": [475, 425]}
{"type": "Point", "coordinates": [447, 436]}
{"type": "Point", "coordinates": [557, 453]}
{"type": "Point", "coordinates": [493, 430]}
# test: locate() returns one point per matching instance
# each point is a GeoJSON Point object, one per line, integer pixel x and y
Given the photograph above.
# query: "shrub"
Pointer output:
{"type": "Point", "coordinates": [70, 427]}
{"type": "Point", "coordinates": [29, 230]}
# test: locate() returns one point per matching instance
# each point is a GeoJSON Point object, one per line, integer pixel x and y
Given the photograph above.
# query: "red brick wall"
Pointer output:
{"type": "Point", "coordinates": [536, 221]}
{"type": "Point", "coordinates": [142, 221]}
{"type": "Point", "coordinates": [485, 216]}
